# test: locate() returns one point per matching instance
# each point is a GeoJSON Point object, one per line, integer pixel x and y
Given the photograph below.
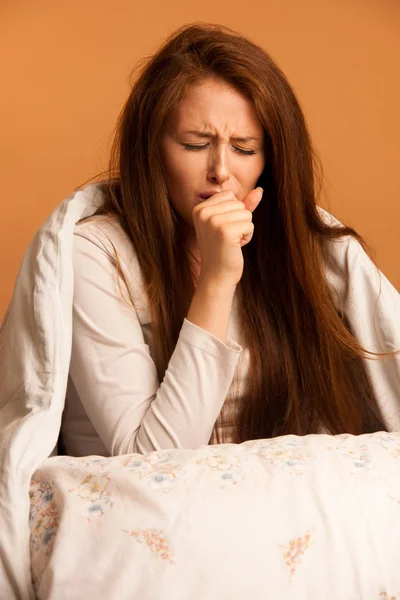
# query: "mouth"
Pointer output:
{"type": "Point", "coordinates": [208, 194]}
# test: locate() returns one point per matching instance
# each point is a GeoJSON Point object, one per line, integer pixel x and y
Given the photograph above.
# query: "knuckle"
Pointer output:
{"type": "Point", "coordinates": [214, 221]}
{"type": "Point", "coordinates": [224, 232]}
{"type": "Point", "coordinates": [203, 215]}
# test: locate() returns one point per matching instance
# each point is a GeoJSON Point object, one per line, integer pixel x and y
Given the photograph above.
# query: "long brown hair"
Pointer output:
{"type": "Point", "coordinates": [305, 367]}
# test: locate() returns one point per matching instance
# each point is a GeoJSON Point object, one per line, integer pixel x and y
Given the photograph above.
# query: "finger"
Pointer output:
{"type": "Point", "coordinates": [253, 198]}
{"type": "Point", "coordinates": [240, 232]}
{"type": "Point", "coordinates": [220, 197]}
{"type": "Point", "coordinates": [220, 208]}
{"type": "Point", "coordinates": [231, 216]}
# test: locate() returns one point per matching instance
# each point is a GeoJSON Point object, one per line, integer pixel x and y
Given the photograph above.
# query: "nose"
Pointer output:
{"type": "Point", "coordinates": [218, 168]}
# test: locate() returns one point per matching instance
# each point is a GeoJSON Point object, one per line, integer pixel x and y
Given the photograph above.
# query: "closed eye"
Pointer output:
{"type": "Point", "coordinates": [197, 147]}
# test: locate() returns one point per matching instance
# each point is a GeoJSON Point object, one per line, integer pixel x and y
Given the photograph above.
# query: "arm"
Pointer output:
{"type": "Point", "coordinates": [115, 376]}
{"type": "Point", "coordinates": [211, 307]}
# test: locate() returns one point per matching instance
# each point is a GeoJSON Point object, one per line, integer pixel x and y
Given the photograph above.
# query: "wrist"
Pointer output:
{"type": "Point", "coordinates": [216, 287]}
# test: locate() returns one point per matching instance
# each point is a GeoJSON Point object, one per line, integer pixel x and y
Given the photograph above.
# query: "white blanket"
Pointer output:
{"type": "Point", "coordinates": [315, 517]}
{"type": "Point", "coordinates": [35, 344]}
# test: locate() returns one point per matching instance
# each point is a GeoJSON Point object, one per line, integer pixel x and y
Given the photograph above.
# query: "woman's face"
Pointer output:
{"type": "Point", "coordinates": [213, 142]}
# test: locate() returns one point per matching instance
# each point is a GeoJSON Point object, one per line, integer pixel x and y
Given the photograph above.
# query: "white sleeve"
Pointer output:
{"type": "Point", "coordinates": [115, 375]}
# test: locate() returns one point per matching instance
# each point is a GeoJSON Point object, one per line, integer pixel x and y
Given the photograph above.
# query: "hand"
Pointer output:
{"type": "Point", "coordinates": [223, 226]}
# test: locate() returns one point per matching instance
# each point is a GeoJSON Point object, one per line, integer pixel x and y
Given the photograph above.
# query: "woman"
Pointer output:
{"type": "Point", "coordinates": [184, 333]}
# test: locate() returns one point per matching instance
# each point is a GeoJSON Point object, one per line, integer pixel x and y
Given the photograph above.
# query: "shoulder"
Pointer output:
{"type": "Point", "coordinates": [344, 249]}
{"type": "Point", "coordinates": [102, 240]}
{"type": "Point", "coordinates": [106, 233]}
{"type": "Point", "coordinates": [346, 263]}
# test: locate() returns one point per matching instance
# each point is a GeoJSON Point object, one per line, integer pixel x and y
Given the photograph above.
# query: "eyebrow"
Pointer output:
{"type": "Point", "coordinates": [209, 135]}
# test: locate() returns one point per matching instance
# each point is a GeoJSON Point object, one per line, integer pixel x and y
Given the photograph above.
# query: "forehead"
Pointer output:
{"type": "Point", "coordinates": [217, 107]}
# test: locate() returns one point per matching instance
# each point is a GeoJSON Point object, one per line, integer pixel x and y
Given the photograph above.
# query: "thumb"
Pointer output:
{"type": "Point", "coordinates": [253, 198]}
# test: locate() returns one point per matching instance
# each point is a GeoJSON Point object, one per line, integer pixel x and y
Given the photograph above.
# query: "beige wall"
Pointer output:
{"type": "Point", "coordinates": [65, 78]}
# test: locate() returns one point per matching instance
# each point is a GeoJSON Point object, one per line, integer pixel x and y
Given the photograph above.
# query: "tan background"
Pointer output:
{"type": "Point", "coordinates": [65, 76]}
